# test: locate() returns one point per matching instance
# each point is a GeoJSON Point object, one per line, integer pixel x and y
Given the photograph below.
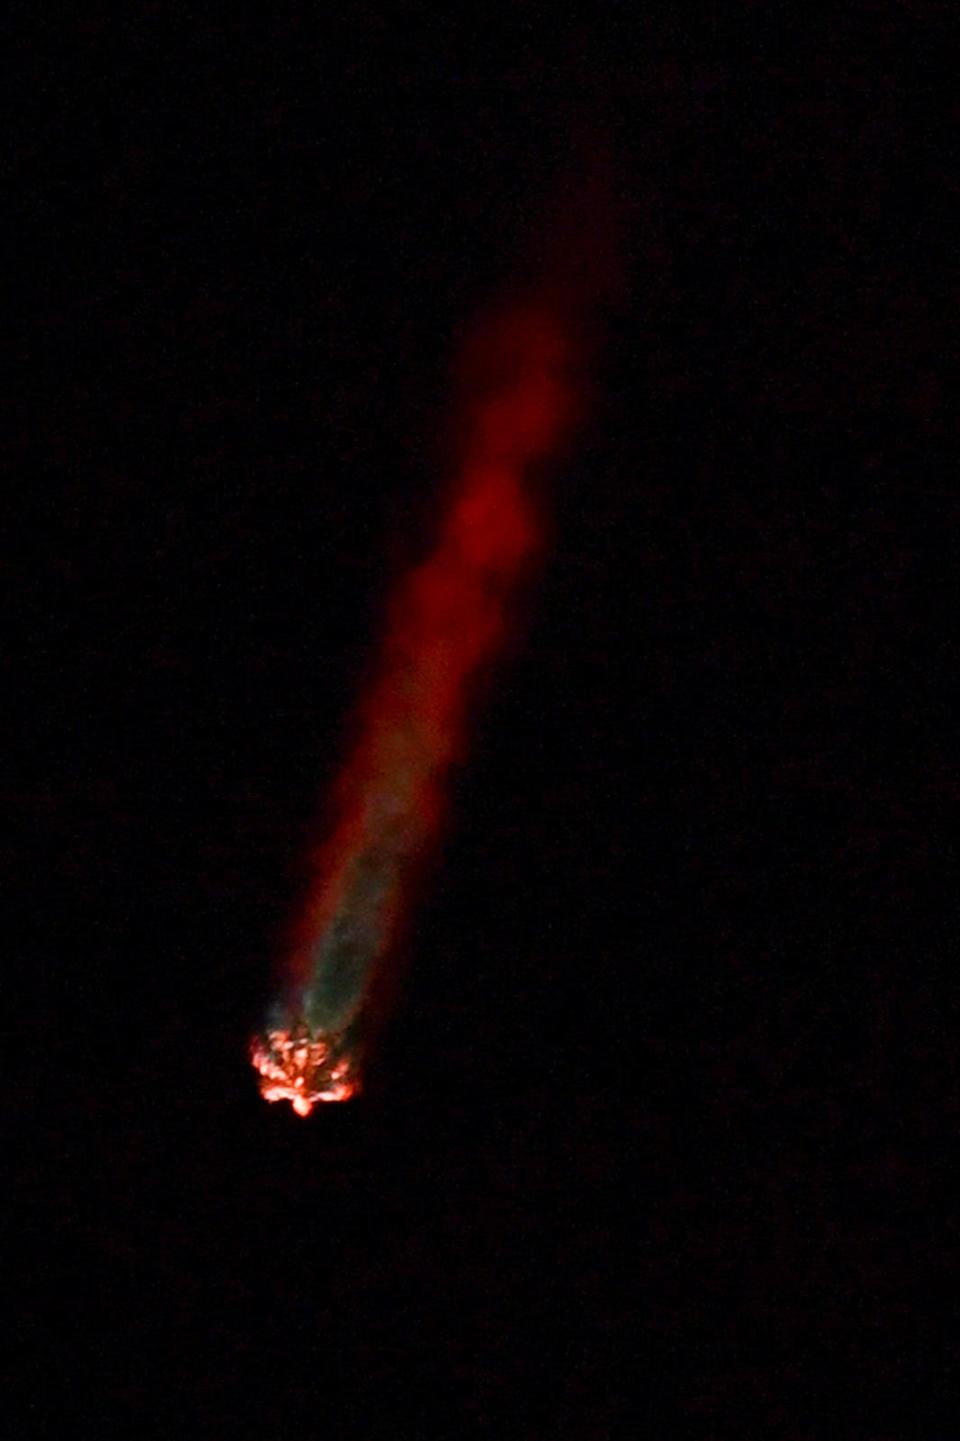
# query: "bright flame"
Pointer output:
{"type": "Point", "coordinates": [297, 1067]}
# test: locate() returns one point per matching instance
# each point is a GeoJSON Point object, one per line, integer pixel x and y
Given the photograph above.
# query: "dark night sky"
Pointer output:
{"type": "Point", "coordinates": [662, 1099]}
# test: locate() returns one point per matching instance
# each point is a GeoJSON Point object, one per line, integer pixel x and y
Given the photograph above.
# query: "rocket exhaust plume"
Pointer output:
{"type": "Point", "coordinates": [446, 621]}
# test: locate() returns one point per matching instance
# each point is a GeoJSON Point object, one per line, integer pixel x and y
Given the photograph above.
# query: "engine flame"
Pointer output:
{"type": "Point", "coordinates": [301, 1068]}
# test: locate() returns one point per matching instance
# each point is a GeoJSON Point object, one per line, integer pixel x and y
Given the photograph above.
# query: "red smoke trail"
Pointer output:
{"type": "Point", "coordinates": [449, 615]}
{"type": "Point", "coordinates": [446, 622]}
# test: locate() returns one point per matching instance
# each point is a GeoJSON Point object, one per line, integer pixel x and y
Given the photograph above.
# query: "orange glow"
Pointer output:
{"type": "Point", "coordinates": [297, 1068]}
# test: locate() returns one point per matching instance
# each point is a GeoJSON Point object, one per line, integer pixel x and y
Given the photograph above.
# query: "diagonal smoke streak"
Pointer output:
{"type": "Point", "coordinates": [446, 623]}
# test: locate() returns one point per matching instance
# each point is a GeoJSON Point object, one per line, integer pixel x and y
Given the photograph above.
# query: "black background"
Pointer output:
{"type": "Point", "coordinates": [661, 1103]}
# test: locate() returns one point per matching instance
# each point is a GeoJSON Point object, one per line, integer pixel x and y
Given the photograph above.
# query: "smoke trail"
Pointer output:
{"type": "Point", "coordinates": [449, 617]}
